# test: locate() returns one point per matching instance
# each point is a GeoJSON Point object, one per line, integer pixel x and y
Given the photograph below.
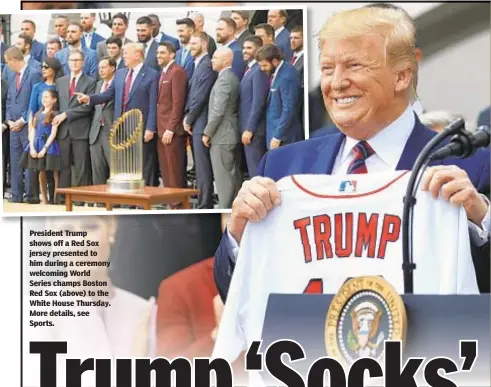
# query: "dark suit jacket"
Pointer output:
{"type": "Point", "coordinates": [91, 61]}
{"type": "Point", "coordinates": [188, 64]}
{"type": "Point", "coordinates": [299, 67]}
{"type": "Point", "coordinates": [484, 117]}
{"type": "Point", "coordinates": [151, 57]}
{"type": "Point", "coordinates": [170, 39]}
{"type": "Point", "coordinates": [77, 124]}
{"type": "Point", "coordinates": [253, 96]}
{"type": "Point", "coordinates": [173, 87]}
{"type": "Point", "coordinates": [4, 87]}
{"type": "Point", "coordinates": [107, 113]}
{"type": "Point", "coordinates": [196, 110]}
{"type": "Point", "coordinates": [96, 38]}
{"type": "Point", "coordinates": [18, 101]}
{"type": "Point", "coordinates": [31, 63]}
{"type": "Point", "coordinates": [242, 38]}
{"type": "Point", "coordinates": [317, 156]}
{"type": "Point", "coordinates": [121, 65]}
{"type": "Point", "coordinates": [212, 46]}
{"type": "Point", "coordinates": [37, 50]}
{"type": "Point", "coordinates": [186, 317]}
{"type": "Point", "coordinates": [143, 95]}
{"type": "Point", "coordinates": [283, 43]}
{"type": "Point", "coordinates": [238, 64]}
{"type": "Point", "coordinates": [282, 115]}
{"type": "Point", "coordinates": [3, 48]}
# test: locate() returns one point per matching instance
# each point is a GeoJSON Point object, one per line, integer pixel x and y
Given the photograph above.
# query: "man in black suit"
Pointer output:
{"type": "Point", "coordinates": [199, 23]}
{"type": "Point", "coordinates": [74, 120]}
{"type": "Point", "coordinates": [144, 30]}
{"type": "Point", "coordinates": [114, 46]}
{"type": "Point", "coordinates": [5, 136]}
{"type": "Point", "coordinates": [241, 19]}
{"type": "Point", "coordinates": [101, 125]}
{"type": "Point", "coordinates": [196, 116]}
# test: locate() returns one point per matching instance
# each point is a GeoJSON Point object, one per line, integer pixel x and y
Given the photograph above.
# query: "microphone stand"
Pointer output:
{"type": "Point", "coordinates": [408, 266]}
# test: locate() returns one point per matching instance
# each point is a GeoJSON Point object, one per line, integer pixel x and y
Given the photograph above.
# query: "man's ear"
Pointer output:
{"type": "Point", "coordinates": [403, 80]}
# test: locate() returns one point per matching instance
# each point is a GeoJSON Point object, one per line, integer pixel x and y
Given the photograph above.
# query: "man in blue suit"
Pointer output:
{"type": "Point", "coordinates": [277, 19]}
{"type": "Point", "coordinates": [28, 27]}
{"type": "Point", "coordinates": [369, 97]}
{"type": "Point", "coordinates": [226, 36]}
{"type": "Point", "coordinates": [90, 37]}
{"type": "Point", "coordinates": [161, 37]}
{"type": "Point", "coordinates": [253, 96]}
{"type": "Point", "coordinates": [196, 116]}
{"type": "Point", "coordinates": [74, 38]}
{"type": "Point", "coordinates": [24, 43]}
{"type": "Point", "coordinates": [135, 87]}
{"type": "Point", "coordinates": [282, 114]}
{"type": "Point", "coordinates": [144, 34]}
{"type": "Point", "coordinates": [21, 80]}
{"type": "Point", "coordinates": [185, 29]}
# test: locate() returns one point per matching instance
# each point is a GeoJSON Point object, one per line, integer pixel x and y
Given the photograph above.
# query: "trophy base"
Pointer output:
{"type": "Point", "coordinates": [125, 185]}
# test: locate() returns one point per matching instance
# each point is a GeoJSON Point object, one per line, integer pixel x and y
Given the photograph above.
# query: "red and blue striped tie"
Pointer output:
{"type": "Point", "coordinates": [362, 151]}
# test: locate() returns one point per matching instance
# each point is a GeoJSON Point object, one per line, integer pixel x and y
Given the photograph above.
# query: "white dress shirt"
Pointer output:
{"type": "Point", "coordinates": [385, 158]}
{"type": "Point", "coordinates": [136, 70]}
{"type": "Point", "coordinates": [158, 38]}
{"type": "Point", "coordinates": [88, 38]}
{"type": "Point", "coordinates": [278, 31]}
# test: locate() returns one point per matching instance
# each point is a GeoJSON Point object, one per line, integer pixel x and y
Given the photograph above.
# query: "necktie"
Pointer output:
{"type": "Point", "coordinates": [271, 81]}
{"type": "Point", "coordinates": [17, 82]}
{"type": "Point", "coordinates": [362, 152]}
{"type": "Point", "coordinates": [247, 71]}
{"type": "Point", "coordinates": [64, 43]}
{"type": "Point", "coordinates": [294, 59]}
{"type": "Point", "coordinates": [184, 56]}
{"type": "Point", "coordinates": [72, 87]}
{"type": "Point", "coordinates": [127, 88]}
{"type": "Point", "coordinates": [104, 88]}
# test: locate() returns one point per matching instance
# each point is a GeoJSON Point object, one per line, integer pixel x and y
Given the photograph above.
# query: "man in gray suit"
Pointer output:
{"type": "Point", "coordinates": [221, 133]}
{"type": "Point", "coordinates": [101, 124]}
{"type": "Point", "coordinates": [119, 25]}
{"type": "Point", "coordinates": [74, 120]}
{"type": "Point", "coordinates": [241, 19]}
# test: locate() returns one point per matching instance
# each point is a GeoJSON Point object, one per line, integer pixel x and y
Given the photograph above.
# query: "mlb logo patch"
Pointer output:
{"type": "Point", "coordinates": [347, 186]}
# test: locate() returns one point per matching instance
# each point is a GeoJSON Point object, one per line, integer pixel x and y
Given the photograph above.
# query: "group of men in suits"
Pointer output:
{"type": "Point", "coordinates": [231, 108]}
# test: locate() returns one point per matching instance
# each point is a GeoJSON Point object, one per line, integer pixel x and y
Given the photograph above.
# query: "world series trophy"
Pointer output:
{"type": "Point", "coordinates": [126, 161]}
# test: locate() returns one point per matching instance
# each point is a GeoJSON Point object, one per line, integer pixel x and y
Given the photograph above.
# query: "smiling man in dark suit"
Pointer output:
{"type": "Point", "coordinates": [74, 120]}
{"type": "Point", "coordinates": [196, 116]}
{"type": "Point", "coordinates": [253, 96]}
{"type": "Point", "coordinates": [102, 121]}
{"type": "Point", "coordinates": [144, 34]}
{"type": "Point", "coordinates": [135, 87]}
{"type": "Point", "coordinates": [368, 93]}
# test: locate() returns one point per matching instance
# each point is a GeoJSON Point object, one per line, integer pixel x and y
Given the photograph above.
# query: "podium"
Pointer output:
{"type": "Point", "coordinates": [435, 324]}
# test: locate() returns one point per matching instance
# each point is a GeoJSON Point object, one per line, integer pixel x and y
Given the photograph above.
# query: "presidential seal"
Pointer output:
{"type": "Point", "coordinates": [364, 313]}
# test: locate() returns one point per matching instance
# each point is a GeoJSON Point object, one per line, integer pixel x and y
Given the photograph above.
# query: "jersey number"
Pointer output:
{"type": "Point", "coordinates": [314, 287]}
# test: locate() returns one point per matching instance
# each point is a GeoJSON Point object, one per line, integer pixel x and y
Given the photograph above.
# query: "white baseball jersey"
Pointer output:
{"type": "Point", "coordinates": [331, 228]}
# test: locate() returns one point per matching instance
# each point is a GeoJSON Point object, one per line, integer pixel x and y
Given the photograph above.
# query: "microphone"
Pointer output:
{"type": "Point", "coordinates": [464, 144]}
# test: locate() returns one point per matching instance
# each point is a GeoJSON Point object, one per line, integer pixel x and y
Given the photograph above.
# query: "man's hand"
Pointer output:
{"type": "Point", "coordinates": [206, 140]}
{"type": "Point", "coordinates": [167, 137]}
{"type": "Point", "coordinates": [218, 308]}
{"type": "Point", "coordinates": [58, 120]}
{"type": "Point", "coordinates": [148, 135]}
{"type": "Point", "coordinates": [274, 143]}
{"type": "Point", "coordinates": [187, 127]}
{"type": "Point", "coordinates": [247, 137]}
{"type": "Point", "coordinates": [255, 199]}
{"type": "Point", "coordinates": [82, 98]}
{"type": "Point", "coordinates": [453, 184]}
{"type": "Point", "coordinates": [17, 125]}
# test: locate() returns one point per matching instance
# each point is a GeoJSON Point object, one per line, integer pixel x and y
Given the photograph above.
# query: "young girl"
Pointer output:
{"type": "Point", "coordinates": [43, 152]}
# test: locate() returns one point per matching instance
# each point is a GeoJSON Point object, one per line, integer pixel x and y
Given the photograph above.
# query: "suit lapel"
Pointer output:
{"type": "Point", "coordinates": [419, 137]}
{"type": "Point", "coordinates": [138, 79]}
{"type": "Point", "coordinates": [24, 79]}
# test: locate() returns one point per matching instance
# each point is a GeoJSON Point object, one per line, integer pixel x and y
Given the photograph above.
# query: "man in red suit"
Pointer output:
{"type": "Point", "coordinates": [172, 90]}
